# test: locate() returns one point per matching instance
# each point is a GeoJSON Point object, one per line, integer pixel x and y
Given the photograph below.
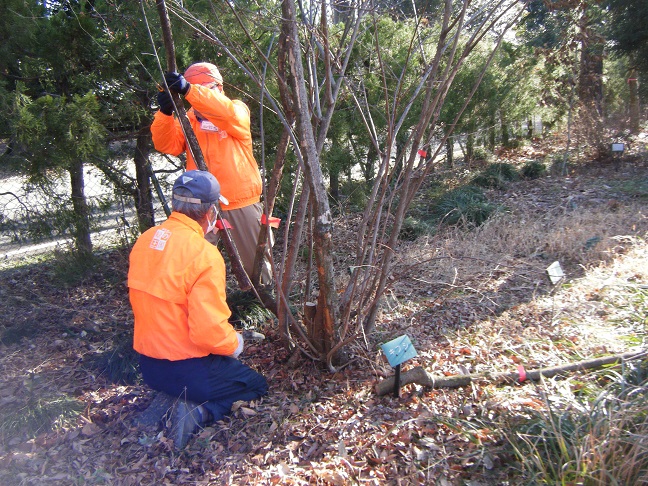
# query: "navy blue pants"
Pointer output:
{"type": "Point", "coordinates": [215, 382]}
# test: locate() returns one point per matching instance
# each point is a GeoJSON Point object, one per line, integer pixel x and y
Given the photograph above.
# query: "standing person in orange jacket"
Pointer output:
{"type": "Point", "coordinates": [176, 283]}
{"type": "Point", "coordinates": [222, 127]}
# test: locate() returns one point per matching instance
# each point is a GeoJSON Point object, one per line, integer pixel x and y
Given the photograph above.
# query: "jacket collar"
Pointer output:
{"type": "Point", "coordinates": [187, 221]}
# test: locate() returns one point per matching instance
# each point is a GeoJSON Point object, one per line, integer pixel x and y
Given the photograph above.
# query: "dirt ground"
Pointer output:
{"type": "Point", "coordinates": [471, 303]}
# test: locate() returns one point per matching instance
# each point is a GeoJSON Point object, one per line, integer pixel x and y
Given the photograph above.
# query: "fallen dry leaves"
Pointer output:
{"type": "Point", "coordinates": [479, 314]}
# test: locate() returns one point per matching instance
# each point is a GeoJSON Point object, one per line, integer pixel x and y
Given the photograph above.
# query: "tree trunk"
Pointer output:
{"type": "Point", "coordinates": [82, 238]}
{"type": "Point", "coordinates": [334, 184]}
{"type": "Point", "coordinates": [341, 10]}
{"type": "Point", "coordinates": [450, 152]}
{"type": "Point", "coordinates": [193, 147]}
{"type": "Point", "coordinates": [470, 149]}
{"type": "Point", "coordinates": [634, 101]}
{"type": "Point", "coordinates": [492, 135]}
{"type": "Point", "coordinates": [143, 194]}
{"type": "Point", "coordinates": [342, 322]}
{"type": "Point", "coordinates": [562, 167]}
{"type": "Point", "coordinates": [291, 251]}
{"type": "Point", "coordinates": [263, 249]}
{"type": "Point", "coordinates": [590, 83]}
{"type": "Point", "coordinates": [326, 316]}
{"type": "Point", "coordinates": [400, 155]}
{"type": "Point", "coordinates": [506, 137]}
{"type": "Point", "coordinates": [368, 171]}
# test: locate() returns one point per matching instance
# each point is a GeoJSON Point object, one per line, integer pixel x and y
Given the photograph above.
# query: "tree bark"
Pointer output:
{"type": "Point", "coordinates": [470, 149]}
{"type": "Point", "coordinates": [271, 195]}
{"type": "Point", "coordinates": [506, 135]}
{"type": "Point", "coordinates": [419, 376]}
{"type": "Point", "coordinates": [192, 143]}
{"type": "Point", "coordinates": [169, 47]}
{"type": "Point", "coordinates": [327, 309]}
{"type": "Point", "coordinates": [450, 152]}
{"type": "Point", "coordinates": [634, 101]}
{"type": "Point", "coordinates": [492, 135]}
{"type": "Point", "coordinates": [143, 194]}
{"type": "Point", "coordinates": [81, 211]}
{"type": "Point", "coordinates": [334, 183]}
{"type": "Point", "coordinates": [590, 82]}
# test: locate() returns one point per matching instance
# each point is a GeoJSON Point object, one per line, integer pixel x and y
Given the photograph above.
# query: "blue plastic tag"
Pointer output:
{"type": "Point", "coordinates": [399, 350]}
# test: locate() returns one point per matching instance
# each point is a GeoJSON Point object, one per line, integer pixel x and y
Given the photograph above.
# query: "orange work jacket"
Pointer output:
{"type": "Point", "coordinates": [176, 283]}
{"type": "Point", "coordinates": [223, 133]}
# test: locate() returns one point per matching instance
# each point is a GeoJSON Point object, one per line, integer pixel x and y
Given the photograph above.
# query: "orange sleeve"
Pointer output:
{"type": "Point", "coordinates": [167, 134]}
{"type": "Point", "coordinates": [233, 116]}
{"type": "Point", "coordinates": [209, 327]}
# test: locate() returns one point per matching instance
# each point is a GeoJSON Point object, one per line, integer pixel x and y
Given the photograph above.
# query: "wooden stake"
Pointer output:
{"type": "Point", "coordinates": [397, 380]}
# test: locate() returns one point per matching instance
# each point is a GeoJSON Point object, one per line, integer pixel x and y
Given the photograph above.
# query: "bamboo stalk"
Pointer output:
{"type": "Point", "coordinates": [419, 376]}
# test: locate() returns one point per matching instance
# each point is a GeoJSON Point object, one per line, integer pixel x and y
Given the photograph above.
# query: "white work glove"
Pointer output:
{"type": "Point", "coordinates": [239, 349]}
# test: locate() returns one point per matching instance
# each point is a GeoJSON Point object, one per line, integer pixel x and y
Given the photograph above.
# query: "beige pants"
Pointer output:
{"type": "Point", "coordinates": [246, 225]}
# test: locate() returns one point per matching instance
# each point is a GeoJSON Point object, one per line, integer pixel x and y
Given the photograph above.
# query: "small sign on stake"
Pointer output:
{"type": "Point", "coordinates": [617, 153]}
{"type": "Point", "coordinates": [555, 273]}
{"type": "Point", "coordinates": [398, 351]}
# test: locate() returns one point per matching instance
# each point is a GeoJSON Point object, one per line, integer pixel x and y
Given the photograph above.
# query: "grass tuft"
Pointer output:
{"type": "Point", "coordinates": [70, 268]}
{"type": "Point", "coordinates": [39, 416]}
{"type": "Point", "coordinates": [533, 169]}
{"type": "Point", "coordinates": [604, 441]}
{"type": "Point", "coordinates": [120, 363]}
{"type": "Point", "coordinates": [15, 333]}
{"type": "Point", "coordinates": [635, 188]}
{"type": "Point", "coordinates": [464, 206]}
{"type": "Point", "coordinates": [413, 228]}
{"type": "Point", "coordinates": [496, 176]}
{"type": "Point", "coordinates": [247, 311]}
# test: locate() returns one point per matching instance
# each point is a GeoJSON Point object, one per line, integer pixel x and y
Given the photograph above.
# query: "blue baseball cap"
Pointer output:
{"type": "Point", "coordinates": [203, 186]}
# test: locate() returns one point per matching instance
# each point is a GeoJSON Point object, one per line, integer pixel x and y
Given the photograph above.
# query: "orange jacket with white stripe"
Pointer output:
{"type": "Point", "coordinates": [176, 283]}
{"type": "Point", "coordinates": [222, 127]}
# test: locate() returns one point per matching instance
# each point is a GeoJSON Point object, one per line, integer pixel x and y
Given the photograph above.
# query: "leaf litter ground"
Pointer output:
{"type": "Point", "coordinates": [471, 301]}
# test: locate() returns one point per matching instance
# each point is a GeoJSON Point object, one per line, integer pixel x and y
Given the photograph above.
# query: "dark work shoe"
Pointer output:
{"type": "Point", "coordinates": [186, 419]}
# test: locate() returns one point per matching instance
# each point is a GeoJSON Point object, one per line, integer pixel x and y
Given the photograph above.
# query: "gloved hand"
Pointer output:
{"type": "Point", "coordinates": [177, 83]}
{"type": "Point", "coordinates": [239, 350]}
{"type": "Point", "coordinates": [252, 335]}
{"type": "Point", "coordinates": [165, 102]}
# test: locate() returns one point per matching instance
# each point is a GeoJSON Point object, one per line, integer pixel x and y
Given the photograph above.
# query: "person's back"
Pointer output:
{"type": "Point", "coordinates": [222, 128]}
{"type": "Point", "coordinates": [176, 280]}
{"type": "Point", "coordinates": [165, 262]}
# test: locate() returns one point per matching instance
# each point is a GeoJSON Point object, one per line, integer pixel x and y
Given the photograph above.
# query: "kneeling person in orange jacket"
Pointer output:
{"type": "Point", "coordinates": [176, 286]}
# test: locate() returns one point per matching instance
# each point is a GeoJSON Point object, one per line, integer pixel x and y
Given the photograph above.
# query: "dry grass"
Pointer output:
{"type": "Point", "coordinates": [576, 237]}
{"type": "Point", "coordinates": [574, 440]}
{"type": "Point", "coordinates": [501, 265]}
{"type": "Point", "coordinates": [576, 430]}
{"type": "Point", "coordinates": [515, 247]}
